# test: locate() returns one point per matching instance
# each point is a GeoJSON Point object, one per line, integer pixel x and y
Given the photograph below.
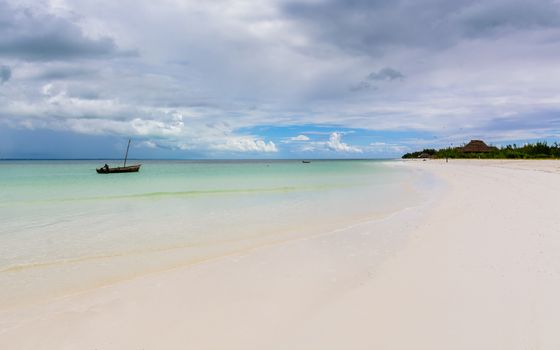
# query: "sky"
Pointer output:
{"type": "Point", "coordinates": [274, 78]}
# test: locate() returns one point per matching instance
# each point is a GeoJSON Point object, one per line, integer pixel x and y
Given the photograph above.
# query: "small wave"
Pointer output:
{"type": "Point", "coordinates": [190, 193]}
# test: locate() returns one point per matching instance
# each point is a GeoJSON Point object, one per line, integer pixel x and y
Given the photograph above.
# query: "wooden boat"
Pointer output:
{"type": "Point", "coordinates": [120, 169]}
{"type": "Point", "coordinates": [306, 161]}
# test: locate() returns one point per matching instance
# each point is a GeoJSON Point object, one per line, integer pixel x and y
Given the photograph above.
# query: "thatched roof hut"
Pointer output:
{"type": "Point", "coordinates": [477, 146]}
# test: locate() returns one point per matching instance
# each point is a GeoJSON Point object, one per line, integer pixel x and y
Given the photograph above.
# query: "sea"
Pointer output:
{"type": "Point", "coordinates": [65, 229]}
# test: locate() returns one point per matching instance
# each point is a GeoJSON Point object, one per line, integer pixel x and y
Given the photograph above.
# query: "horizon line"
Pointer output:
{"type": "Point", "coordinates": [197, 159]}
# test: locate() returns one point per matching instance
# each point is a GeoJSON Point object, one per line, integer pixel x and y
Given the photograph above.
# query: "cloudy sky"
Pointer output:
{"type": "Point", "coordinates": [274, 78]}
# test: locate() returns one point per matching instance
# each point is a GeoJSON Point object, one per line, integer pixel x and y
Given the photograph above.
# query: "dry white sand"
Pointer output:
{"type": "Point", "coordinates": [479, 269]}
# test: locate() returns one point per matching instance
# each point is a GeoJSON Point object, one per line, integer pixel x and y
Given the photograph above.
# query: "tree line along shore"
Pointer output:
{"type": "Point", "coordinates": [477, 149]}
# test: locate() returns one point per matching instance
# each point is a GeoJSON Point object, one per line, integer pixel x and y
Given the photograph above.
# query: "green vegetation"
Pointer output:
{"type": "Point", "coordinates": [539, 150]}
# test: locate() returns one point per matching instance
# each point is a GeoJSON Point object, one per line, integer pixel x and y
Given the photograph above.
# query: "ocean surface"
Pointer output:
{"type": "Point", "coordinates": [64, 228]}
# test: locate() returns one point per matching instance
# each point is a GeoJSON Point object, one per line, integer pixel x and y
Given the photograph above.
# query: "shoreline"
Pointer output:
{"type": "Point", "coordinates": [52, 276]}
{"type": "Point", "coordinates": [422, 273]}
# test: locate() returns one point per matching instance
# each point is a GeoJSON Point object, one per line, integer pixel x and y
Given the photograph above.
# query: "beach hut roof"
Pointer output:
{"type": "Point", "coordinates": [477, 146]}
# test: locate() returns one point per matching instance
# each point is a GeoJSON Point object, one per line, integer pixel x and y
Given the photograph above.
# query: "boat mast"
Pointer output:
{"type": "Point", "coordinates": [126, 155]}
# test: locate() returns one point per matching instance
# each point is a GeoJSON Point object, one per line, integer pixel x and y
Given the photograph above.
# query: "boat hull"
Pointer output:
{"type": "Point", "coordinates": [121, 169]}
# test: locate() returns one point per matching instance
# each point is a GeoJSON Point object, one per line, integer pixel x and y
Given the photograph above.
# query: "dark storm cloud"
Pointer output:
{"type": "Point", "coordinates": [482, 18]}
{"type": "Point", "coordinates": [65, 73]}
{"type": "Point", "coordinates": [361, 86]}
{"type": "Point", "coordinates": [373, 26]}
{"type": "Point", "coordinates": [386, 73]}
{"type": "Point", "coordinates": [5, 74]}
{"type": "Point", "coordinates": [383, 75]}
{"type": "Point", "coordinates": [85, 93]}
{"type": "Point", "coordinates": [29, 35]}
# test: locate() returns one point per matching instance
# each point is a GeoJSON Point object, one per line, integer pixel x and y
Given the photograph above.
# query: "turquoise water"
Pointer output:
{"type": "Point", "coordinates": [65, 228]}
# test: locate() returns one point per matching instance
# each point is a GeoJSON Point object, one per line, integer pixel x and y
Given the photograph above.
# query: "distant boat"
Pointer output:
{"type": "Point", "coordinates": [120, 169]}
{"type": "Point", "coordinates": [306, 161]}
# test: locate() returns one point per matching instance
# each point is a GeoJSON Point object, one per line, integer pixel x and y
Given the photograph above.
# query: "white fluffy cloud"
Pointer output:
{"type": "Point", "coordinates": [298, 138]}
{"type": "Point", "coordinates": [335, 144]}
{"type": "Point", "coordinates": [246, 144]}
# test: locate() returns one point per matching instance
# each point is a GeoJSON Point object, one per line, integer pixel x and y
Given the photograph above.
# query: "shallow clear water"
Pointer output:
{"type": "Point", "coordinates": [64, 228]}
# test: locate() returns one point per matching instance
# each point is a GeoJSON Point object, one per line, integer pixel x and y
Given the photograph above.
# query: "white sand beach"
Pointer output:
{"type": "Point", "coordinates": [478, 268]}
